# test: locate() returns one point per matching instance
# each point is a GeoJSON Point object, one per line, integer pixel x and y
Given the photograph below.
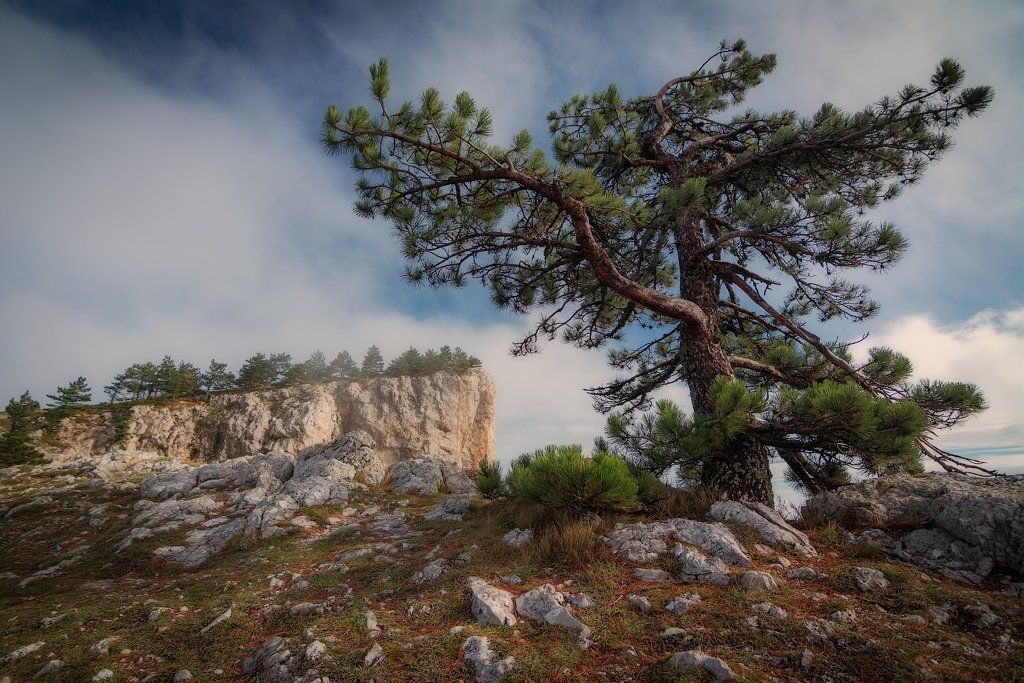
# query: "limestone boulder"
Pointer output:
{"type": "Point", "coordinates": [973, 524]}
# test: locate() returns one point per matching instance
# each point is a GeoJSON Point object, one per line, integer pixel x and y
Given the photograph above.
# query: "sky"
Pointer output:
{"type": "Point", "coordinates": [163, 190]}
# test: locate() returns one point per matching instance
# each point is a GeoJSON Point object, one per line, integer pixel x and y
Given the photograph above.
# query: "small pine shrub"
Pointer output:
{"type": "Point", "coordinates": [563, 480]}
{"type": "Point", "coordinates": [489, 482]}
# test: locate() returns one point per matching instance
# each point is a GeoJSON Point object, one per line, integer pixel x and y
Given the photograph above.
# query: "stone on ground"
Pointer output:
{"type": "Point", "coordinates": [487, 665]}
{"type": "Point", "coordinates": [698, 660]}
{"type": "Point", "coordinates": [491, 605]}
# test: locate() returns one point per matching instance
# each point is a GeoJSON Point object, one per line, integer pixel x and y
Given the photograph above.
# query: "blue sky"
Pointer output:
{"type": "Point", "coordinates": [162, 188]}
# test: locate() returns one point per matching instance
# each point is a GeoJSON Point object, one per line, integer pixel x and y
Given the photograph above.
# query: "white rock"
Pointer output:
{"type": "Point", "coordinates": [52, 666]}
{"type": "Point", "coordinates": [224, 616]}
{"type": "Point", "coordinates": [758, 581]}
{"type": "Point", "coordinates": [450, 509]}
{"type": "Point", "coordinates": [22, 651]}
{"type": "Point", "coordinates": [868, 579]}
{"type": "Point", "coordinates": [642, 604]}
{"type": "Point", "coordinates": [103, 675]}
{"type": "Point", "coordinates": [698, 660]}
{"type": "Point", "coordinates": [491, 605]}
{"type": "Point", "coordinates": [488, 667]}
{"type": "Point", "coordinates": [683, 603]}
{"type": "Point", "coordinates": [537, 603]}
{"type": "Point", "coordinates": [372, 627]}
{"type": "Point", "coordinates": [804, 573]}
{"type": "Point", "coordinates": [374, 657]}
{"type": "Point", "coordinates": [695, 566]}
{"type": "Point", "coordinates": [766, 521]}
{"type": "Point", "coordinates": [517, 538]}
{"type": "Point", "coordinates": [652, 575]}
{"type": "Point", "coordinates": [770, 609]}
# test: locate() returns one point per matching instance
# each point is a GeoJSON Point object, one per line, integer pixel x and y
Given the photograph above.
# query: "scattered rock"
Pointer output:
{"type": "Point", "coordinates": [103, 675]}
{"type": "Point", "coordinates": [696, 566]}
{"type": "Point", "coordinates": [652, 575]}
{"type": "Point", "coordinates": [51, 667]}
{"type": "Point", "coordinates": [517, 538]}
{"type": "Point", "coordinates": [374, 657]}
{"type": "Point", "coordinates": [766, 521]}
{"type": "Point", "coordinates": [641, 542]}
{"type": "Point", "coordinates": [819, 630]}
{"type": "Point", "coordinates": [450, 509]}
{"type": "Point", "coordinates": [103, 646]}
{"type": "Point", "coordinates": [224, 616]}
{"type": "Point", "coordinates": [182, 676]}
{"type": "Point", "coordinates": [22, 651]}
{"type": "Point", "coordinates": [770, 609]}
{"type": "Point", "coordinates": [546, 603]}
{"type": "Point", "coordinates": [639, 602]}
{"type": "Point", "coordinates": [580, 601]}
{"type": "Point", "coordinates": [488, 667]}
{"type": "Point", "coordinates": [978, 615]}
{"type": "Point", "coordinates": [868, 579]}
{"type": "Point", "coordinates": [761, 581]}
{"type": "Point", "coordinates": [432, 572]}
{"type": "Point", "coordinates": [372, 627]}
{"type": "Point", "coordinates": [698, 660]}
{"type": "Point", "coordinates": [846, 616]}
{"type": "Point", "coordinates": [683, 603]}
{"type": "Point", "coordinates": [429, 474]}
{"type": "Point", "coordinates": [491, 605]}
{"type": "Point", "coordinates": [985, 515]}
{"type": "Point", "coordinates": [804, 573]}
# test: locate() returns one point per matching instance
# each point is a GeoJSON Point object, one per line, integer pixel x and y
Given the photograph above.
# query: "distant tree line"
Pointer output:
{"type": "Point", "coordinates": [174, 379]}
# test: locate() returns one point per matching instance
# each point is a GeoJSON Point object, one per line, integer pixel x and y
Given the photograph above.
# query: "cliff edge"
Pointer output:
{"type": "Point", "coordinates": [443, 413]}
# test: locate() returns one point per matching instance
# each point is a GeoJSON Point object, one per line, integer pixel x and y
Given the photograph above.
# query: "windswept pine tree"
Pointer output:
{"type": "Point", "coordinates": [702, 237]}
{"type": "Point", "coordinates": [75, 395]}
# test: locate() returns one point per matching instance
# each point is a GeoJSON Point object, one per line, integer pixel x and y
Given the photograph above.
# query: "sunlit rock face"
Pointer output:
{"type": "Point", "coordinates": [446, 414]}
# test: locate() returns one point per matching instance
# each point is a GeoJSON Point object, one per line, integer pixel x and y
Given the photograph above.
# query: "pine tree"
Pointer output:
{"type": "Point", "coordinates": [668, 222]}
{"type": "Point", "coordinates": [22, 419]}
{"type": "Point", "coordinates": [75, 395]}
{"type": "Point", "coordinates": [343, 367]}
{"type": "Point", "coordinates": [216, 378]}
{"type": "Point", "coordinates": [257, 372]}
{"type": "Point", "coordinates": [282, 363]}
{"type": "Point", "coordinates": [411, 362]}
{"type": "Point", "coordinates": [373, 363]}
{"type": "Point", "coordinates": [317, 368]}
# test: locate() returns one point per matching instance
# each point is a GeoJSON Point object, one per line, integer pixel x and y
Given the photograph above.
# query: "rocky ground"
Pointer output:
{"type": "Point", "coordinates": [322, 568]}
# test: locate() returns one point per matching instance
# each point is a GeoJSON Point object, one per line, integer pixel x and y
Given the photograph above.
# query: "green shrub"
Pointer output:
{"type": "Point", "coordinates": [563, 479]}
{"type": "Point", "coordinates": [489, 482]}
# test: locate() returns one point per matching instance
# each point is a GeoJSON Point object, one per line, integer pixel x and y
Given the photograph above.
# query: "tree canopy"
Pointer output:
{"type": "Point", "coordinates": [701, 239]}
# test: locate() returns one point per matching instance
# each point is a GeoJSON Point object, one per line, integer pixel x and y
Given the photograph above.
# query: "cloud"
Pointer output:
{"type": "Point", "coordinates": [136, 223]}
{"type": "Point", "coordinates": [985, 350]}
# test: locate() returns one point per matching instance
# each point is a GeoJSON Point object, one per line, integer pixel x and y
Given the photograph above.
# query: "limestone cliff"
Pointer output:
{"type": "Point", "coordinates": [443, 413]}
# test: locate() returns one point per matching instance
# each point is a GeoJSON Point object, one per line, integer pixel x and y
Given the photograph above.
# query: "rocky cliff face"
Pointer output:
{"type": "Point", "coordinates": [444, 413]}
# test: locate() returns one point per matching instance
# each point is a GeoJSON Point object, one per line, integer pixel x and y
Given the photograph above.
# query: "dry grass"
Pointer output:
{"type": "Point", "coordinates": [573, 545]}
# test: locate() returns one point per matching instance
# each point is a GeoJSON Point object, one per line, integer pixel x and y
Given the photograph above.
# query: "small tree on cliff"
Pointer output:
{"type": "Point", "coordinates": [217, 377]}
{"type": "Point", "coordinates": [373, 362]}
{"type": "Point", "coordinates": [675, 216]}
{"type": "Point", "coordinates": [343, 367]}
{"type": "Point", "coordinates": [23, 418]}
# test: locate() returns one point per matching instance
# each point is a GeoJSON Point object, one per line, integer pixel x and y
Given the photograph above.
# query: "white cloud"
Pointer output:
{"type": "Point", "coordinates": [985, 350]}
{"type": "Point", "coordinates": [137, 224]}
